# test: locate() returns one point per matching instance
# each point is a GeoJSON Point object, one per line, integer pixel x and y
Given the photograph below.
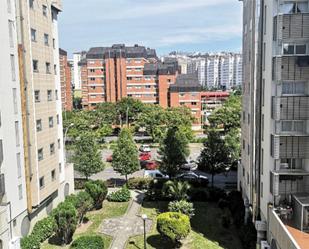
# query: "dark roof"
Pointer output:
{"type": "Point", "coordinates": [160, 68]}
{"type": "Point", "coordinates": [62, 52]}
{"type": "Point", "coordinates": [186, 83]}
{"type": "Point", "coordinates": [120, 50]}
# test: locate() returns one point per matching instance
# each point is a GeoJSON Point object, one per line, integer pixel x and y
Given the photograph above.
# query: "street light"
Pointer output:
{"type": "Point", "coordinates": [144, 217]}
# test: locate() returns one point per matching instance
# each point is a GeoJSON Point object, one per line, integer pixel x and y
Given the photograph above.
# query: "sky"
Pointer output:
{"type": "Point", "coordinates": [166, 25]}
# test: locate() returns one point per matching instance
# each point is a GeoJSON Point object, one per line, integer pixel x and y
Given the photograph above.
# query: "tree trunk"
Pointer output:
{"type": "Point", "coordinates": [212, 179]}
{"type": "Point", "coordinates": [126, 179]}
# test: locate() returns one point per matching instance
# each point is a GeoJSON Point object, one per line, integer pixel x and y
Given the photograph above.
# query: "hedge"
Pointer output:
{"type": "Point", "coordinates": [44, 228]}
{"type": "Point", "coordinates": [89, 242]}
{"type": "Point", "coordinates": [121, 195]}
{"type": "Point", "coordinates": [30, 242]}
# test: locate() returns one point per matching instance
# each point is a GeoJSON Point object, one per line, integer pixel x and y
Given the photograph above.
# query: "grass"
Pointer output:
{"type": "Point", "coordinates": [207, 231]}
{"type": "Point", "coordinates": [109, 210]}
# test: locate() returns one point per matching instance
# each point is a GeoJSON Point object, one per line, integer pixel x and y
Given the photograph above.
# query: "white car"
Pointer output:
{"type": "Point", "coordinates": [155, 174]}
{"type": "Point", "coordinates": [192, 176]}
{"type": "Point", "coordinates": [145, 148]}
{"type": "Point", "coordinates": [189, 165]}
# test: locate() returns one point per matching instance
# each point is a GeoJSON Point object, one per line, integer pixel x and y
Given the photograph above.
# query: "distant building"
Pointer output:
{"type": "Point", "coordinates": [65, 81]}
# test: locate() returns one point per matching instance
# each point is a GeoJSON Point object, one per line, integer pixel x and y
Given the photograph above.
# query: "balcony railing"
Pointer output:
{"type": "Point", "coordinates": [290, 108]}
{"type": "Point", "coordinates": [290, 147]}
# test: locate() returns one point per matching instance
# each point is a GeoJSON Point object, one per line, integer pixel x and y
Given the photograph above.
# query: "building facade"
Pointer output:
{"type": "Point", "coordinates": [34, 177]}
{"type": "Point", "coordinates": [273, 173]}
{"type": "Point", "coordinates": [65, 81]}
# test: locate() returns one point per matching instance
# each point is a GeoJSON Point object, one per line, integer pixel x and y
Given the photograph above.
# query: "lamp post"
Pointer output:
{"type": "Point", "coordinates": [144, 217]}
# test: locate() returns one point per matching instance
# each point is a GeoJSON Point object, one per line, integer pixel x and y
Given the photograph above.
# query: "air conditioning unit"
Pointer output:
{"type": "Point", "coordinates": [15, 243]}
{"type": "Point", "coordinates": [265, 245]}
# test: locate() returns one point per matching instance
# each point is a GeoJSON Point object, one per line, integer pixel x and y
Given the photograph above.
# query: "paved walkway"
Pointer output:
{"type": "Point", "coordinates": [122, 228]}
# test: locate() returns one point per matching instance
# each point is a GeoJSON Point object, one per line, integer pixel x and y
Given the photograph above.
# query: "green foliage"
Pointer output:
{"type": "Point", "coordinates": [44, 228]}
{"type": "Point", "coordinates": [228, 115]}
{"type": "Point", "coordinates": [87, 157]}
{"type": "Point", "coordinates": [129, 109]}
{"type": "Point", "coordinates": [65, 216]}
{"type": "Point", "coordinates": [125, 155]}
{"type": "Point", "coordinates": [89, 242]}
{"type": "Point", "coordinates": [175, 226]}
{"type": "Point", "coordinates": [182, 206]}
{"type": "Point", "coordinates": [77, 103]}
{"type": "Point", "coordinates": [121, 195]}
{"type": "Point", "coordinates": [30, 242]}
{"type": "Point", "coordinates": [232, 142]}
{"type": "Point", "coordinates": [139, 183]}
{"type": "Point", "coordinates": [98, 191]}
{"type": "Point", "coordinates": [215, 156]}
{"type": "Point", "coordinates": [83, 202]}
{"type": "Point", "coordinates": [177, 190]}
{"type": "Point", "coordinates": [173, 151]}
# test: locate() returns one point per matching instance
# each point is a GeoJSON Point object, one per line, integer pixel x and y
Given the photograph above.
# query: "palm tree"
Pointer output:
{"type": "Point", "coordinates": [176, 189]}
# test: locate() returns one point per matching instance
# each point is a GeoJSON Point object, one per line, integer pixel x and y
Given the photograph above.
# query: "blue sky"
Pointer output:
{"type": "Point", "coordinates": [166, 25]}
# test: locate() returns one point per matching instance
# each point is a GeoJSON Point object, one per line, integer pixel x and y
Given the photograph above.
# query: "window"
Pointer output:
{"type": "Point", "coordinates": [60, 167]}
{"type": "Point", "coordinates": [147, 87]}
{"type": "Point", "coordinates": [12, 57]}
{"type": "Point", "coordinates": [262, 161]}
{"type": "Point", "coordinates": [300, 49]}
{"type": "Point", "coordinates": [49, 95]}
{"type": "Point", "coordinates": [54, 43]}
{"type": "Point", "coordinates": [35, 65]}
{"type": "Point", "coordinates": [18, 160]}
{"type": "Point", "coordinates": [291, 88]}
{"type": "Point", "coordinates": [37, 96]}
{"type": "Point", "coordinates": [40, 154]}
{"type": "Point", "coordinates": [92, 79]}
{"type": "Point", "coordinates": [243, 144]}
{"type": "Point", "coordinates": [248, 118]}
{"type": "Point", "coordinates": [293, 126]}
{"type": "Point", "coordinates": [9, 6]}
{"type": "Point", "coordinates": [262, 129]}
{"type": "Point", "coordinates": [59, 145]}
{"type": "Point", "coordinates": [288, 49]}
{"type": "Point", "coordinates": [47, 64]}
{"type": "Point", "coordinates": [248, 149]}
{"type": "Point", "coordinates": [44, 10]}
{"type": "Point", "coordinates": [264, 55]}
{"type": "Point", "coordinates": [261, 190]}
{"type": "Point", "coordinates": [11, 33]}
{"type": "Point", "coordinates": [129, 78]}
{"type": "Point", "coordinates": [46, 39]}
{"type": "Point", "coordinates": [92, 70]}
{"type": "Point", "coordinates": [294, 7]}
{"type": "Point", "coordinates": [42, 182]}
{"type": "Point", "coordinates": [263, 92]}
{"type": "Point", "coordinates": [53, 175]}
{"type": "Point", "coordinates": [33, 35]}
{"type": "Point", "coordinates": [31, 3]}
{"type": "Point", "coordinates": [52, 148]}
{"type": "Point", "coordinates": [20, 191]}
{"type": "Point", "coordinates": [291, 163]}
{"type": "Point", "coordinates": [265, 19]}
{"type": "Point", "coordinates": [51, 122]}
{"type": "Point", "coordinates": [56, 94]}
{"type": "Point", "coordinates": [193, 103]}
{"type": "Point", "coordinates": [58, 119]}
{"type": "Point", "coordinates": [55, 69]}
{"type": "Point", "coordinates": [17, 133]}
{"type": "Point", "coordinates": [39, 125]}
{"type": "Point", "coordinates": [15, 101]}
{"type": "Point", "coordinates": [244, 116]}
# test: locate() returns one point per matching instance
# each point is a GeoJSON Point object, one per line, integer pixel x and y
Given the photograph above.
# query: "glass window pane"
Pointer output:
{"type": "Point", "coordinates": [300, 49]}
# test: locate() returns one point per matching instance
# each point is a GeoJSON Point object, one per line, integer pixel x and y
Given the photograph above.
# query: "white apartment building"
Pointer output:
{"type": "Point", "coordinates": [226, 71]}
{"type": "Point", "coordinates": [33, 175]}
{"type": "Point", "coordinates": [212, 71]}
{"type": "Point", "coordinates": [274, 169]}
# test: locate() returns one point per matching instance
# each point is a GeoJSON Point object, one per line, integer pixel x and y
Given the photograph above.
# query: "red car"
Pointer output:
{"type": "Point", "coordinates": [109, 159]}
{"type": "Point", "coordinates": [152, 165]}
{"type": "Point", "coordinates": [144, 156]}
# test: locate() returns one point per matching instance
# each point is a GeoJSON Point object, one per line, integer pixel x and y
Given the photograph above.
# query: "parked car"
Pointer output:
{"type": "Point", "coordinates": [155, 174]}
{"type": "Point", "coordinates": [144, 156]}
{"type": "Point", "coordinates": [191, 176]}
{"type": "Point", "coordinates": [151, 165]}
{"type": "Point", "coordinates": [189, 165]}
{"type": "Point", "coordinates": [145, 148]}
{"type": "Point", "coordinates": [109, 159]}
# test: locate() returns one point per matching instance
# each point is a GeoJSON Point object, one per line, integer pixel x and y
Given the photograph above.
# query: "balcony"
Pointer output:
{"type": "Point", "coordinates": [286, 146]}
{"type": "Point", "coordinates": [290, 108]}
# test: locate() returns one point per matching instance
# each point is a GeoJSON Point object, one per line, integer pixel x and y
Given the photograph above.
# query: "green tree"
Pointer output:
{"type": "Point", "coordinates": [125, 155]}
{"type": "Point", "coordinates": [177, 190]}
{"type": "Point", "coordinates": [173, 151]}
{"type": "Point", "coordinates": [215, 156]}
{"type": "Point", "coordinates": [232, 143]}
{"type": "Point", "coordinates": [65, 216]}
{"type": "Point", "coordinates": [128, 110]}
{"type": "Point", "coordinates": [98, 192]}
{"type": "Point", "coordinates": [87, 157]}
{"type": "Point", "coordinates": [77, 103]}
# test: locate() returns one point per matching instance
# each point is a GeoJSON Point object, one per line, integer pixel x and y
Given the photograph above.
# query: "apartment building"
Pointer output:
{"type": "Point", "coordinates": [65, 81]}
{"type": "Point", "coordinates": [274, 169]}
{"type": "Point", "coordinates": [33, 177]}
{"type": "Point", "coordinates": [77, 75]}
{"type": "Point", "coordinates": [187, 92]}
{"type": "Point", "coordinates": [112, 73]}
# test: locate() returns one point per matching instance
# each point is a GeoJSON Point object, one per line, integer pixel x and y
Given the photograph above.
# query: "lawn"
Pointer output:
{"type": "Point", "coordinates": [109, 210]}
{"type": "Point", "coordinates": [207, 231]}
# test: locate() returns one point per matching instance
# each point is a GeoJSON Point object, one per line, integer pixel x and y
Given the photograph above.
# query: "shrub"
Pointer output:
{"type": "Point", "coordinates": [30, 242]}
{"type": "Point", "coordinates": [222, 203]}
{"type": "Point", "coordinates": [139, 183]}
{"type": "Point", "coordinates": [121, 195]}
{"type": "Point", "coordinates": [226, 220]}
{"type": "Point", "coordinates": [89, 242]}
{"type": "Point", "coordinates": [199, 194]}
{"type": "Point", "coordinates": [183, 207]}
{"type": "Point", "coordinates": [176, 190]}
{"type": "Point", "coordinates": [65, 216]}
{"type": "Point", "coordinates": [98, 191]}
{"type": "Point", "coordinates": [175, 226]}
{"type": "Point", "coordinates": [215, 194]}
{"type": "Point", "coordinates": [237, 207]}
{"type": "Point", "coordinates": [82, 202]}
{"type": "Point", "coordinates": [79, 183]}
{"type": "Point", "coordinates": [44, 228]}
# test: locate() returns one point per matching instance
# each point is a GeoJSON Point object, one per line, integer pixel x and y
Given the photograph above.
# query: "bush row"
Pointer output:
{"type": "Point", "coordinates": [121, 195]}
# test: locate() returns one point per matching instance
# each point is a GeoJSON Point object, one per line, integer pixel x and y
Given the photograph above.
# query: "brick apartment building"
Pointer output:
{"type": "Point", "coordinates": [65, 80]}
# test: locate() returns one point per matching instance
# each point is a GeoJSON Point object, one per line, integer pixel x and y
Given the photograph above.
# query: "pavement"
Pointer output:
{"type": "Point", "coordinates": [131, 224]}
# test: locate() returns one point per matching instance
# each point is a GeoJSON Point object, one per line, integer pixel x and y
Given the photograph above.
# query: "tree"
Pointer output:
{"type": "Point", "coordinates": [173, 151]}
{"type": "Point", "coordinates": [77, 103]}
{"type": "Point", "coordinates": [232, 142]}
{"type": "Point", "coordinates": [125, 155]}
{"type": "Point", "coordinates": [87, 157]}
{"type": "Point", "coordinates": [128, 110]}
{"type": "Point", "coordinates": [98, 192]}
{"type": "Point", "coordinates": [65, 216]}
{"type": "Point", "coordinates": [83, 202]}
{"type": "Point", "coordinates": [215, 156]}
{"type": "Point", "coordinates": [177, 190]}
